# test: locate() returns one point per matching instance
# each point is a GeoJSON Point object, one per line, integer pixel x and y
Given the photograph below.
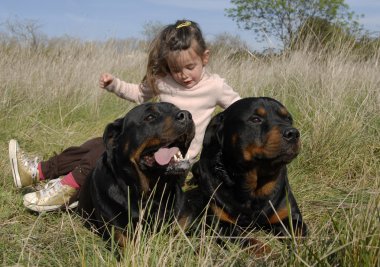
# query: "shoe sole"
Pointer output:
{"type": "Point", "coordinates": [50, 208]}
{"type": "Point", "coordinates": [13, 159]}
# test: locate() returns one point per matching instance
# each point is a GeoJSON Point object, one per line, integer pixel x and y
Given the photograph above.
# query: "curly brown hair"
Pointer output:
{"type": "Point", "coordinates": [173, 38]}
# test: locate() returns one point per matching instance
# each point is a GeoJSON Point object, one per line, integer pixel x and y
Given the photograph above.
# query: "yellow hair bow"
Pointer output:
{"type": "Point", "coordinates": [184, 24]}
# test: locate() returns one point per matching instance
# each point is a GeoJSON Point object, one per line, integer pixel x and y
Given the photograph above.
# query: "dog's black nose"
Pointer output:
{"type": "Point", "coordinates": [183, 116]}
{"type": "Point", "coordinates": [291, 134]}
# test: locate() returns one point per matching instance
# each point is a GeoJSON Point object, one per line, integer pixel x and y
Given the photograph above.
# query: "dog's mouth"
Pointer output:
{"type": "Point", "coordinates": [169, 157]}
{"type": "Point", "coordinates": [164, 155]}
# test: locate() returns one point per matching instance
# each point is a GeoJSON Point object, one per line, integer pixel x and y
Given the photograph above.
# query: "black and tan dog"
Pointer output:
{"type": "Point", "coordinates": [143, 155]}
{"type": "Point", "coordinates": [242, 171]}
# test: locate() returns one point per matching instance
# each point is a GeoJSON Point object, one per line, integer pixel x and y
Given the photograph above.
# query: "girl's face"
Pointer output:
{"type": "Point", "coordinates": [186, 66]}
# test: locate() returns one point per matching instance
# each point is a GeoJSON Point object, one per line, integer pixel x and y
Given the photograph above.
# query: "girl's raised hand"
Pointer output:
{"type": "Point", "coordinates": [105, 80]}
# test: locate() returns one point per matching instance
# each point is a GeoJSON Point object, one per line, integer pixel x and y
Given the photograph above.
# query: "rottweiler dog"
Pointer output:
{"type": "Point", "coordinates": [142, 169]}
{"type": "Point", "coordinates": [242, 171]}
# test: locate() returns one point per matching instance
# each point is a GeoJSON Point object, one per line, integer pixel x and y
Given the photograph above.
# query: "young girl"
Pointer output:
{"type": "Point", "coordinates": [175, 73]}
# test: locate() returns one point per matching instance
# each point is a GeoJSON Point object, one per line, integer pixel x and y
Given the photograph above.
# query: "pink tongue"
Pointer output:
{"type": "Point", "coordinates": [164, 155]}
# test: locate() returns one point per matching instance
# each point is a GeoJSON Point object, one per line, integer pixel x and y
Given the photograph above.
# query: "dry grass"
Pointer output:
{"type": "Point", "coordinates": [50, 100]}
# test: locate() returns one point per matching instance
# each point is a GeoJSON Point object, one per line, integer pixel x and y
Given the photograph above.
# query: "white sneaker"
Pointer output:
{"type": "Point", "coordinates": [53, 196]}
{"type": "Point", "coordinates": [24, 169]}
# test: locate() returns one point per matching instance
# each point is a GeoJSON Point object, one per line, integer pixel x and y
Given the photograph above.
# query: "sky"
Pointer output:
{"type": "Point", "coordinates": [103, 19]}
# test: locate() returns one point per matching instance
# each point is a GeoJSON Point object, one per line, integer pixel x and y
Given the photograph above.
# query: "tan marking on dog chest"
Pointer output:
{"type": "Point", "coordinates": [278, 216]}
{"type": "Point", "coordinates": [251, 180]}
{"type": "Point", "coordinates": [221, 214]}
{"type": "Point", "coordinates": [266, 189]}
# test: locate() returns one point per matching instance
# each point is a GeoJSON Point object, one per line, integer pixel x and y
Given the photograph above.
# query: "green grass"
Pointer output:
{"type": "Point", "coordinates": [49, 100]}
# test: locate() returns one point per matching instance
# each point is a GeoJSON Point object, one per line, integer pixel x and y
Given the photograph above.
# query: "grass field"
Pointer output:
{"type": "Point", "coordinates": [50, 100]}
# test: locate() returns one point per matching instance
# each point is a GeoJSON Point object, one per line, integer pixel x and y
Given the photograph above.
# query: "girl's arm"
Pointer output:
{"type": "Point", "coordinates": [227, 96]}
{"type": "Point", "coordinates": [137, 93]}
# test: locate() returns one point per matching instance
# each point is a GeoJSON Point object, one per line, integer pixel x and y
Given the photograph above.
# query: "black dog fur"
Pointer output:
{"type": "Point", "coordinates": [242, 173]}
{"type": "Point", "coordinates": [127, 174]}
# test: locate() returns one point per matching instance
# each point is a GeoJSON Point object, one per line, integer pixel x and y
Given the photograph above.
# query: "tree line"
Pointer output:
{"type": "Point", "coordinates": [317, 24]}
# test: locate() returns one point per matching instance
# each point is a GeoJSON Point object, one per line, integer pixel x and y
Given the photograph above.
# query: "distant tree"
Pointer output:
{"type": "Point", "coordinates": [282, 18]}
{"type": "Point", "coordinates": [25, 31]}
{"type": "Point", "coordinates": [317, 33]}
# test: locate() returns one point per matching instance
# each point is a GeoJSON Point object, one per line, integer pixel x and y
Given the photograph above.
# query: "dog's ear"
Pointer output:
{"type": "Point", "coordinates": [111, 132]}
{"type": "Point", "coordinates": [219, 130]}
{"type": "Point", "coordinates": [213, 139]}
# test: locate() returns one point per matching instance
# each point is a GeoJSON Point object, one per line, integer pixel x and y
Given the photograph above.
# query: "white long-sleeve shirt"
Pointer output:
{"type": "Point", "coordinates": [200, 100]}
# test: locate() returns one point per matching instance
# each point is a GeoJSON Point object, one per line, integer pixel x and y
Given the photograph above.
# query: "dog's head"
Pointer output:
{"type": "Point", "coordinates": [152, 138]}
{"type": "Point", "coordinates": [254, 131]}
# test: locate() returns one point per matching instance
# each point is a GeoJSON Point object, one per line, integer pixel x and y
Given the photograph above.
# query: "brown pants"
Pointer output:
{"type": "Point", "coordinates": [79, 160]}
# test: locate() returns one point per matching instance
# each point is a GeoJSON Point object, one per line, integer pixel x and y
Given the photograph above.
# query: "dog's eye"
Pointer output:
{"type": "Point", "coordinates": [149, 117]}
{"type": "Point", "coordinates": [256, 119]}
{"type": "Point", "coordinates": [289, 119]}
